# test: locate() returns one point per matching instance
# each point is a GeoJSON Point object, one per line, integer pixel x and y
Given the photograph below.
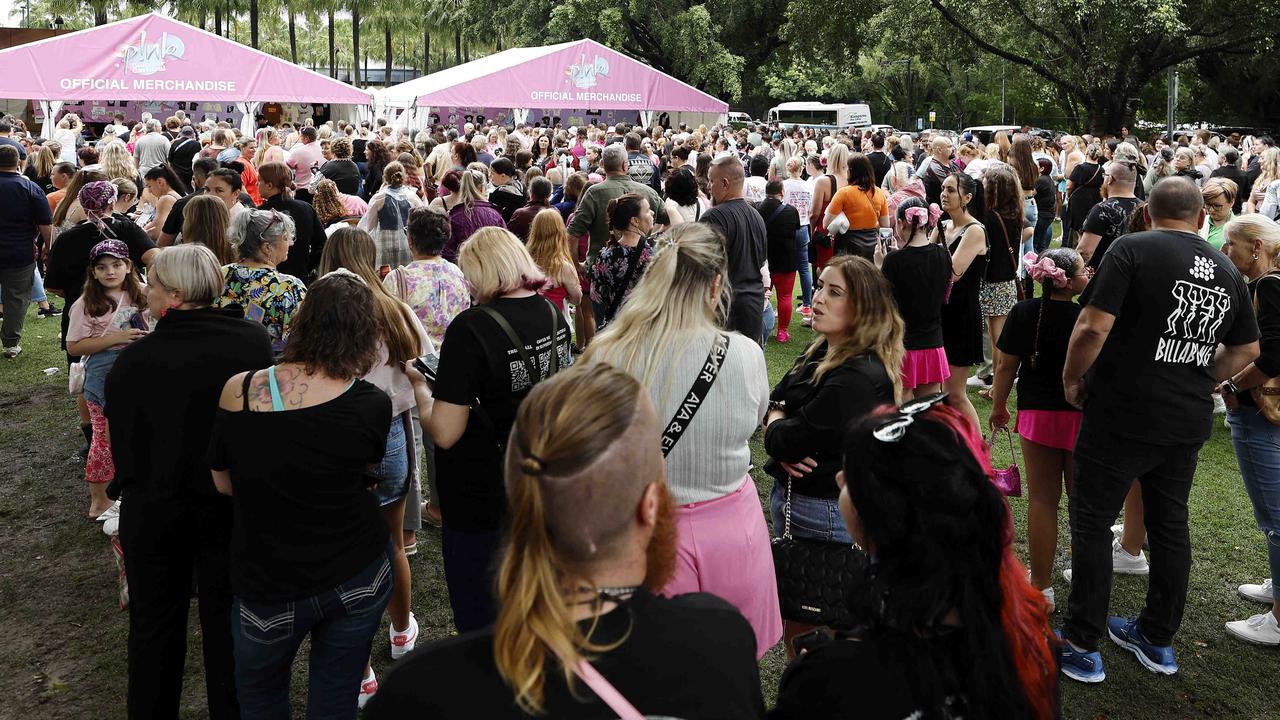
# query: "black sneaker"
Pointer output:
{"type": "Point", "coordinates": [51, 311]}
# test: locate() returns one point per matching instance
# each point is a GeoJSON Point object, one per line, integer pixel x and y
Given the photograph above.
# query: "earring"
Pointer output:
{"type": "Point", "coordinates": [1255, 256]}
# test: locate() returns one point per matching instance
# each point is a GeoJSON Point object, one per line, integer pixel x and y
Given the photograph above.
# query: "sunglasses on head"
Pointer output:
{"type": "Point", "coordinates": [895, 425]}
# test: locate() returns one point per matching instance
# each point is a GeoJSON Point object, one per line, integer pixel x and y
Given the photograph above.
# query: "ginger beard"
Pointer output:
{"type": "Point", "coordinates": [660, 555]}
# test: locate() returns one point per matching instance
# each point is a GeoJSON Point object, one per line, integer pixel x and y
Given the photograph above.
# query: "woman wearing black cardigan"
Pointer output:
{"type": "Point", "coordinates": [275, 182]}
{"type": "Point", "coordinates": [162, 395]}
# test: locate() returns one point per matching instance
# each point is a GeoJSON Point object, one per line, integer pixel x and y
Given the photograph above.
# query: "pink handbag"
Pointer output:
{"type": "Point", "coordinates": [1008, 480]}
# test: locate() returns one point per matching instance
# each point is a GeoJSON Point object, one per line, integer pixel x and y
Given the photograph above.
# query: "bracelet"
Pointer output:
{"type": "Point", "coordinates": [778, 405]}
{"type": "Point", "coordinates": [1229, 387]}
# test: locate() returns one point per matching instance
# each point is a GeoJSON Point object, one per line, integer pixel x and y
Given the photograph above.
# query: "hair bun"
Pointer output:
{"type": "Point", "coordinates": [532, 465]}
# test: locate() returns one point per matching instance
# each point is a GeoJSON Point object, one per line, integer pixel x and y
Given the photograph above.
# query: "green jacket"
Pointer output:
{"type": "Point", "coordinates": [592, 213]}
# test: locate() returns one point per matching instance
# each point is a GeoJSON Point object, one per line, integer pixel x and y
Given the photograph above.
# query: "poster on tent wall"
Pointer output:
{"type": "Point", "coordinates": [104, 111]}
{"type": "Point", "coordinates": [459, 116]}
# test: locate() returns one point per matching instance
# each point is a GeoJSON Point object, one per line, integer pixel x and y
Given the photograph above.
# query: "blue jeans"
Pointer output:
{"type": "Point", "coordinates": [1044, 232]}
{"type": "Point", "coordinates": [393, 471]}
{"type": "Point", "coordinates": [806, 270]}
{"type": "Point", "coordinates": [341, 623]}
{"type": "Point", "coordinates": [1028, 245]}
{"type": "Point", "coordinates": [1257, 444]}
{"type": "Point", "coordinates": [38, 294]}
{"type": "Point", "coordinates": [770, 320]}
{"type": "Point", "coordinates": [811, 518]}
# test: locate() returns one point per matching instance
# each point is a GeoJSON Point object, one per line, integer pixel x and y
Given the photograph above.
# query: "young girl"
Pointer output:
{"type": "Point", "coordinates": [549, 246]}
{"type": "Point", "coordinates": [920, 273]}
{"type": "Point", "coordinates": [107, 317]}
{"type": "Point", "coordinates": [1033, 345]}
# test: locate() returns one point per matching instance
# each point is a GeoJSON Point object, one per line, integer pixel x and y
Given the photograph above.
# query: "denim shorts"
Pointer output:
{"type": "Point", "coordinates": [393, 471]}
{"type": "Point", "coordinates": [811, 518]}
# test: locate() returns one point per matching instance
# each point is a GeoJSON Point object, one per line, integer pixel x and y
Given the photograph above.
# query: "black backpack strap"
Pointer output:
{"type": "Point", "coordinates": [534, 375]}
{"type": "Point", "coordinates": [701, 387]}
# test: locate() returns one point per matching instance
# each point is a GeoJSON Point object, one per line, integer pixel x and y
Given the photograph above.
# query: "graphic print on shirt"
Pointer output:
{"type": "Point", "coordinates": [1191, 329]}
{"type": "Point", "coordinates": [520, 371]}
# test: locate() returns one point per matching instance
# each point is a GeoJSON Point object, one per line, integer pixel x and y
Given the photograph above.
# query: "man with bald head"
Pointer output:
{"type": "Point", "coordinates": [744, 238]}
{"type": "Point", "coordinates": [1110, 218]}
{"type": "Point", "coordinates": [1166, 318]}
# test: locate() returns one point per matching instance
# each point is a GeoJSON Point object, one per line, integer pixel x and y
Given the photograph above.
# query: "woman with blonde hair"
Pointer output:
{"type": "Point", "coordinates": [493, 354]}
{"type": "Point", "coordinates": [1253, 246]}
{"type": "Point", "coordinates": [1219, 196]}
{"type": "Point", "coordinates": [116, 161]}
{"type": "Point", "coordinates": [204, 222]}
{"type": "Point", "coordinates": [388, 214]}
{"type": "Point", "coordinates": [1265, 196]}
{"type": "Point", "coordinates": [548, 244]}
{"type": "Point", "coordinates": [664, 336]}
{"type": "Point", "coordinates": [269, 150]}
{"type": "Point", "coordinates": [401, 339]}
{"type": "Point", "coordinates": [853, 367]}
{"type": "Point", "coordinates": [39, 168]}
{"type": "Point", "coordinates": [825, 188]}
{"type": "Point", "coordinates": [68, 135]}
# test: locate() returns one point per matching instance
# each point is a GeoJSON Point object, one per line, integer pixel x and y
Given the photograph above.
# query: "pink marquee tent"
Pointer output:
{"type": "Point", "coordinates": [153, 57]}
{"type": "Point", "coordinates": [581, 75]}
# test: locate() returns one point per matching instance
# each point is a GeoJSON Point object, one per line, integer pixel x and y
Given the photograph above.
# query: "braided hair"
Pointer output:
{"type": "Point", "coordinates": [1065, 259]}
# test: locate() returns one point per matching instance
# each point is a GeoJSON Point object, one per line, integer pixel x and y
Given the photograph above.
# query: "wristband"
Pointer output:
{"type": "Point", "coordinates": [1229, 387]}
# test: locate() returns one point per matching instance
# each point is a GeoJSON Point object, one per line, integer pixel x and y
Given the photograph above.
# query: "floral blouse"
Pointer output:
{"type": "Point", "coordinates": [266, 295]}
{"type": "Point", "coordinates": [610, 269]}
{"type": "Point", "coordinates": [435, 289]}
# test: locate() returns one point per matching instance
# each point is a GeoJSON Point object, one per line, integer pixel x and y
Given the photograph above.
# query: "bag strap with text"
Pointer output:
{"type": "Point", "coordinates": [691, 402]}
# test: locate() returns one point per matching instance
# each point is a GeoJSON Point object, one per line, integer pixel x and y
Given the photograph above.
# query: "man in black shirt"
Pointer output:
{"type": "Point", "coordinates": [880, 162]}
{"type": "Point", "coordinates": [1109, 219]}
{"type": "Point", "coordinates": [745, 239]}
{"type": "Point", "coordinates": [590, 507]}
{"type": "Point", "coordinates": [1166, 318]}
{"type": "Point", "coordinates": [1230, 169]}
{"type": "Point", "coordinates": [181, 153]}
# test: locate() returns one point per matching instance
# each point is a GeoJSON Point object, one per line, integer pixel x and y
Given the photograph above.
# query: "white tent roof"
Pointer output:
{"type": "Point", "coordinates": [403, 95]}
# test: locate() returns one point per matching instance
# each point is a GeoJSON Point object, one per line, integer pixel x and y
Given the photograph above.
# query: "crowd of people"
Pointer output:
{"type": "Point", "coordinates": [291, 351]}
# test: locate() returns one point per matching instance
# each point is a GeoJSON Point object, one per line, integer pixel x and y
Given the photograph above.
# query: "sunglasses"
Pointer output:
{"type": "Point", "coordinates": [895, 426]}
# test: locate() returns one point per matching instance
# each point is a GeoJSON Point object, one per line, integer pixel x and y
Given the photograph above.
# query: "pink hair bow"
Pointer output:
{"type": "Point", "coordinates": [1044, 268]}
{"type": "Point", "coordinates": [919, 215]}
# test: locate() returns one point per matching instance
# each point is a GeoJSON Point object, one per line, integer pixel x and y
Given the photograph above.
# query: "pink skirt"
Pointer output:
{"type": "Point", "coordinates": [724, 549]}
{"type": "Point", "coordinates": [924, 367]}
{"type": "Point", "coordinates": [1051, 428]}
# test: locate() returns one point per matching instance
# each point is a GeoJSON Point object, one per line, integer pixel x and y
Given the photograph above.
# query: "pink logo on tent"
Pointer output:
{"type": "Point", "coordinates": [584, 74]}
{"type": "Point", "coordinates": [146, 58]}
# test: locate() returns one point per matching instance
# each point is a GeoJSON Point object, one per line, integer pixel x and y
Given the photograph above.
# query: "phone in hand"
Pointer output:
{"type": "Point", "coordinates": [886, 238]}
{"type": "Point", "coordinates": [427, 365]}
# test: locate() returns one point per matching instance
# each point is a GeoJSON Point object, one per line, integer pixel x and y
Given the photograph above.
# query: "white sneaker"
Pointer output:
{"type": "Point", "coordinates": [12, 352]}
{"type": "Point", "coordinates": [1219, 405]}
{"type": "Point", "coordinates": [402, 641]}
{"type": "Point", "coordinates": [976, 382]}
{"type": "Point", "coordinates": [1122, 563]}
{"type": "Point", "coordinates": [1259, 630]}
{"type": "Point", "coordinates": [368, 688]}
{"type": "Point", "coordinates": [1258, 593]}
{"type": "Point", "coordinates": [1048, 596]}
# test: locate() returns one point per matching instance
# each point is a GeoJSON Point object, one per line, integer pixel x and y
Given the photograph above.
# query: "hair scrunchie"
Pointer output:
{"type": "Point", "coordinates": [1045, 268]}
{"type": "Point", "coordinates": [922, 216]}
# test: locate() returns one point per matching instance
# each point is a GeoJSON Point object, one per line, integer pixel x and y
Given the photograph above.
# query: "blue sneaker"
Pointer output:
{"type": "Point", "coordinates": [1080, 666]}
{"type": "Point", "coordinates": [1126, 634]}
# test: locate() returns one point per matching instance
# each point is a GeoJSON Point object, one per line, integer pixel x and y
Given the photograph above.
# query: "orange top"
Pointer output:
{"type": "Point", "coordinates": [863, 209]}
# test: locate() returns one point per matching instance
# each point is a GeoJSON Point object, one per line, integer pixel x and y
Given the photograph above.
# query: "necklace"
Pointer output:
{"type": "Point", "coordinates": [609, 594]}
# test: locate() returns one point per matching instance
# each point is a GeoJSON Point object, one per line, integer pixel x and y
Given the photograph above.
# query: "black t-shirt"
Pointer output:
{"type": "Point", "coordinates": [181, 153]}
{"type": "Point", "coordinates": [68, 262]}
{"type": "Point", "coordinates": [1266, 299]}
{"type": "Point", "coordinates": [691, 656]}
{"type": "Point", "coordinates": [818, 415]}
{"type": "Point", "coordinates": [308, 238]}
{"type": "Point", "coordinates": [1040, 380]}
{"type": "Point", "coordinates": [745, 234]}
{"type": "Point", "coordinates": [1046, 194]}
{"type": "Point", "coordinates": [1175, 298]}
{"type": "Point", "coordinates": [876, 677]}
{"type": "Point", "coordinates": [1108, 220]}
{"type": "Point", "coordinates": [1086, 179]}
{"type": "Point", "coordinates": [357, 149]}
{"type": "Point", "coordinates": [344, 174]}
{"type": "Point", "coordinates": [480, 368]}
{"type": "Point", "coordinates": [305, 519]}
{"type": "Point", "coordinates": [1005, 238]}
{"type": "Point", "coordinates": [781, 226]}
{"type": "Point", "coordinates": [919, 275]}
{"type": "Point", "coordinates": [881, 164]}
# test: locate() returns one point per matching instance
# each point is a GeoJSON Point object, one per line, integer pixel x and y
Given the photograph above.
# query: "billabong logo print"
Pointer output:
{"type": "Point", "coordinates": [1191, 330]}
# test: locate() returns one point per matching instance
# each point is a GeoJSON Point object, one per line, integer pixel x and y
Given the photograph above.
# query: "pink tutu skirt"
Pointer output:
{"type": "Point", "coordinates": [1051, 428]}
{"type": "Point", "coordinates": [924, 367]}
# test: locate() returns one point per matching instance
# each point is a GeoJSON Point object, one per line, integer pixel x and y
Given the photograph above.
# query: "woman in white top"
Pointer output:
{"type": "Point", "coordinates": [798, 194]}
{"type": "Point", "coordinates": [665, 336]}
{"type": "Point", "coordinates": [67, 135]}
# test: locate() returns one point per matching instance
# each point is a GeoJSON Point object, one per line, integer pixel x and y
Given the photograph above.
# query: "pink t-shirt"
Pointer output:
{"type": "Point", "coordinates": [353, 204]}
{"type": "Point", "coordinates": [81, 325]}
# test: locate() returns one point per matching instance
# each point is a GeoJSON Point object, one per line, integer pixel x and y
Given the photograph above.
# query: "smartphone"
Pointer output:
{"type": "Point", "coordinates": [427, 365]}
{"type": "Point", "coordinates": [886, 238]}
{"type": "Point", "coordinates": [139, 322]}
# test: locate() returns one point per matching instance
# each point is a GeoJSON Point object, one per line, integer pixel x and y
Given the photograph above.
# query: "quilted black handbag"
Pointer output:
{"type": "Point", "coordinates": [814, 576]}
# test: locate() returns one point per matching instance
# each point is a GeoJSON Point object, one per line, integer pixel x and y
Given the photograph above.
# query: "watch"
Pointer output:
{"type": "Point", "coordinates": [1229, 387]}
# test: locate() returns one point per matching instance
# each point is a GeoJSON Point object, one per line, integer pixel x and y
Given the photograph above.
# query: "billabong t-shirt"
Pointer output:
{"type": "Point", "coordinates": [1175, 298]}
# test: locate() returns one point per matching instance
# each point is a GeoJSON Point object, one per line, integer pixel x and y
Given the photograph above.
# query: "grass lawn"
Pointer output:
{"type": "Point", "coordinates": [62, 642]}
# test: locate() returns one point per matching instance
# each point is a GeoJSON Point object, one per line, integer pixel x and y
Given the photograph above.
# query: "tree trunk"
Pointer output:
{"type": "Point", "coordinates": [386, 66]}
{"type": "Point", "coordinates": [253, 25]}
{"type": "Point", "coordinates": [457, 47]}
{"type": "Point", "coordinates": [1108, 111]}
{"type": "Point", "coordinates": [333, 50]}
{"type": "Point", "coordinates": [466, 52]}
{"type": "Point", "coordinates": [426, 51]}
{"type": "Point", "coordinates": [100, 13]}
{"type": "Point", "coordinates": [293, 36]}
{"type": "Point", "coordinates": [217, 19]}
{"type": "Point", "coordinates": [355, 42]}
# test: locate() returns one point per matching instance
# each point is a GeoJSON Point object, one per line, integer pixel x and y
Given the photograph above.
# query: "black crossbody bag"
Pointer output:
{"type": "Point", "coordinates": [813, 577]}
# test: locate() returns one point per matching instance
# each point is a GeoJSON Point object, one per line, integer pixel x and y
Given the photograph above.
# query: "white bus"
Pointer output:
{"type": "Point", "coordinates": [820, 115]}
